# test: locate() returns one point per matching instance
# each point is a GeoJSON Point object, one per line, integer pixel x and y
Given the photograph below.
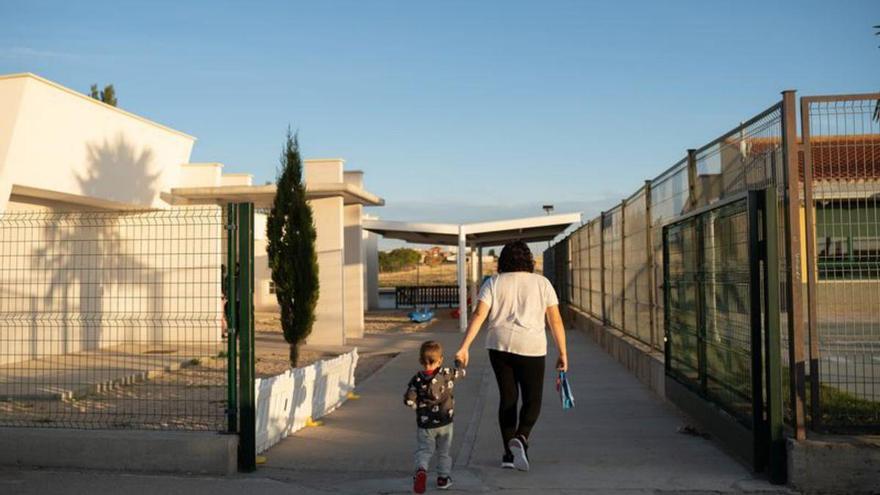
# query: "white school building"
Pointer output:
{"type": "Point", "coordinates": [61, 151]}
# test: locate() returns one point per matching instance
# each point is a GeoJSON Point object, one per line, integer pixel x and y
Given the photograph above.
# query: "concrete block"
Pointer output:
{"type": "Point", "coordinates": [120, 450]}
{"type": "Point", "coordinates": [835, 464]}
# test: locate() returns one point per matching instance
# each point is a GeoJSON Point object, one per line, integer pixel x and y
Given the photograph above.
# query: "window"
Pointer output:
{"type": "Point", "coordinates": [847, 240]}
{"type": "Point", "coordinates": [271, 287]}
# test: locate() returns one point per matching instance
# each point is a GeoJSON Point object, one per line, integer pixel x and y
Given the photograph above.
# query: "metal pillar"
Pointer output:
{"type": "Point", "coordinates": [776, 463]}
{"type": "Point", "coordinates": [247, 448]}
{"type": "Point", "coordinates": [462, 280]}
{"type": "Point", "coordinates": [474, 278]}
{"type": "Point", "coordinates": [231, 288]}
{"type": "Point", "coordinates": [812, 277]}
{"type": "Point", "coordinates": [692, 178]}
{"type": "Point", "coordinates": [794, 280]}
{"type": "Point", "coordinates": [479, 283]}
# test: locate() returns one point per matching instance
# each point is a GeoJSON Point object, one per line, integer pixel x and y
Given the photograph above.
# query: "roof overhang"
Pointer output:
{"type": "Point", "coordinates": [531, 229]}
{"type": "Point", "coordinates": [263, 196]}
{"type": "Point", "coordinates": [76, 200]}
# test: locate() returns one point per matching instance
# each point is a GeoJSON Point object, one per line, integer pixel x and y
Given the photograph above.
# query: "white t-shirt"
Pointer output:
{"type": "Point", "coordinates": [517, 304]}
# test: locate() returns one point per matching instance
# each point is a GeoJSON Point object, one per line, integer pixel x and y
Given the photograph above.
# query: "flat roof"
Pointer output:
{"type": "Point", "coordinates": [99, 103]}
{"type": "Point", "coordinates": [263, 196]}
{"type": "Point", "coordinates": [529, 229]}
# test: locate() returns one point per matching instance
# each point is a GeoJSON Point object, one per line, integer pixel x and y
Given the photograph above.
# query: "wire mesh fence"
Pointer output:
{"type": "Point", "coordinates": [619, 282]}
{"type": "Point", "coordinates": [841, 172]}
{"type": "Point", "coordinates": [112, 319]}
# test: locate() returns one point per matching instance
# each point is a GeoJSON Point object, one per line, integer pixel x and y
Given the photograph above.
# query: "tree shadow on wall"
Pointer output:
{"type": "Point", "coordinates": [119, 172]}
{"type": "Point", "coordinates": [94, 261]}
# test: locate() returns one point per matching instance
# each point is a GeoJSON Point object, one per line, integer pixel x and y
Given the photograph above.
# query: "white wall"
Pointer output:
{"type": "Point", "coordinates": [200, 175]}
{"type": "Point", "coordinates": [354, 272]}
{"type": "Point", "coordinates": [57, 139]}
{"type": "Point", "coordinates": [371, 265]}
{"type": "Point", "coordinates": [329, 326]}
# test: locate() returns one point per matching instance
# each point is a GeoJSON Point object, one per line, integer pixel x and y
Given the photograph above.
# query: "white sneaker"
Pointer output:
{"type": "Point", "coordinates": [520, 456]}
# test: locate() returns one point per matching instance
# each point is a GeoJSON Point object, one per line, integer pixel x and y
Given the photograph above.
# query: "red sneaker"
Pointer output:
{"type": "Point", "coordinates": [420, 479]}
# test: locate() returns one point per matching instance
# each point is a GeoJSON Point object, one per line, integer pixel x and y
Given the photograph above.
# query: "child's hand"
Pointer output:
{"type": "Point", "coordinates": [462, 357]}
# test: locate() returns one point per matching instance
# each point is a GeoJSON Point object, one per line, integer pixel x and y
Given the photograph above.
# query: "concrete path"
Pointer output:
{"type": "Point", "coordinates": [619, 439]}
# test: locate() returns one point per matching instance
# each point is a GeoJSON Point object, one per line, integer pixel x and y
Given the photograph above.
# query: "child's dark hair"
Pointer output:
{"type": "Point", "coordinates": [430, 353]}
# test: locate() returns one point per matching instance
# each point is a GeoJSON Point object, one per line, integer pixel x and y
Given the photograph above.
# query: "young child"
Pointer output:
{"type": "Point", "coordinates": [430, 394]}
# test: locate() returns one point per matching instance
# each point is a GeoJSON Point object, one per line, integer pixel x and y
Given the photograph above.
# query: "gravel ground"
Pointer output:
{"type": "Point", "coordinates": [192, 397]}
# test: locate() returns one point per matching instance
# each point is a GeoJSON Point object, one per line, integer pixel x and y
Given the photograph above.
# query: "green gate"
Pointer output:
{"type": "Point", "coordinates": [722, 341]}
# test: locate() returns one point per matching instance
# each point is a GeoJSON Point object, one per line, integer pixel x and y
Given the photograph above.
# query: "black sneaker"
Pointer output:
{"type": "Point", "coordinates": [443, 483]}
{"type": "Point", "coordinates": [519, 448]}
{"type": "Point", "coordinates": [507, 461]}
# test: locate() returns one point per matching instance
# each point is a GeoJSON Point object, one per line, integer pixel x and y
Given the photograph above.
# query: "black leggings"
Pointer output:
{"type": "Point", "coordinates": [516, 373]}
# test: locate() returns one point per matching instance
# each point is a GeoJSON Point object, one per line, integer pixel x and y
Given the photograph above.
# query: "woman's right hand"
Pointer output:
{"type": "Point", "coordinates": [562, 363]}
{"type": "Point", "coordinates": [462, 357]}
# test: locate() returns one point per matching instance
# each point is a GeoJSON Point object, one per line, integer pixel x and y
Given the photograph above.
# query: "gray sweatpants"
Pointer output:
{"type": "Point", "coordinates": [427, 440]}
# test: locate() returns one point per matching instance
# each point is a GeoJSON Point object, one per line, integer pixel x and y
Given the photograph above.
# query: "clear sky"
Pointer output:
{"type": "Point", "coordinates": [456, 110]}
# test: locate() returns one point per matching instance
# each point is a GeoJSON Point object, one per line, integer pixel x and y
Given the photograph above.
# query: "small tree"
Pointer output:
{"type": "Point", "coordinates": [290, 231]}
{"type": "Point", "coordinates": [108, 95]}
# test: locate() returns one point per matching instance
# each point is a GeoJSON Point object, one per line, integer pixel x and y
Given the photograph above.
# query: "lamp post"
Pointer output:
{"type": "Point", "coordinates": [548, 209]}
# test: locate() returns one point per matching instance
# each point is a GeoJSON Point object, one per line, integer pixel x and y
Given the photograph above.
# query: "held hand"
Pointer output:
{"type": "Point", "coordinates": [562, 363]}
{"type": "Point", "coordinates": [462, 357]}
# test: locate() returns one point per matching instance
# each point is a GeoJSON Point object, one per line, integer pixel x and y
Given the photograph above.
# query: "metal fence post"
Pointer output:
{"type": "Point", "coordinates": [700, 253]}
{"type": "Point", "coordinates": [757, 261]}
{"type": "Point", "coordinates": [602, 266]}
{"type": "Point", "coordinates": [810, 241]}
{"type": "Point", "coordinates": [773, 366]}
{"type": "Point", "coordinates": [692, 177]}
{"type": "Point", "coordinates": [232, 297]}
{"type": "Point", "coordinates": [649, 264]}
{"type": "Point", "coordinates": [623, 267]}
{"type": "Point", "coordinates": [247, 435]}
{"type": "Point", "coordinates": [793, 255]}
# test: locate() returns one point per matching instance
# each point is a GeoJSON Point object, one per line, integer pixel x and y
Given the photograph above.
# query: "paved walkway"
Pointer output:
{"type": "Point", "coordinates": [619, 439]}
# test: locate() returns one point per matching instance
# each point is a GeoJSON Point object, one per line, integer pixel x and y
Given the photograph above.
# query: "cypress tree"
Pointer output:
{"type": "Point", "coordinates": [290, 231]}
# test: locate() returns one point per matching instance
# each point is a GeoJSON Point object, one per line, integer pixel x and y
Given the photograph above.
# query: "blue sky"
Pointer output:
{"type": "Point", "coordinates": [456, 110]}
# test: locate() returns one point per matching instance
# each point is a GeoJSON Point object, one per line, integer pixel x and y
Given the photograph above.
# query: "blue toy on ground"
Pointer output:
{"type": "Point", "coordinates": [421, 315]}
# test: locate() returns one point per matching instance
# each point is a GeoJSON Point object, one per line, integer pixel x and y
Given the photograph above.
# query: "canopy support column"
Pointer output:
{"type": "Point", "coordinates": [462, 280]}
{"type": "Point", "coordinates": [479, 274]}
{"type": "Point", "coordinates": [473, 277]}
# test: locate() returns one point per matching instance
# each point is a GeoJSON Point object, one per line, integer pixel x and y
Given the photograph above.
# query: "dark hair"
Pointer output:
{"type": "Point", "coordinates": [516, 257]}
{"type": "Point", "coordinates": [430, 353]}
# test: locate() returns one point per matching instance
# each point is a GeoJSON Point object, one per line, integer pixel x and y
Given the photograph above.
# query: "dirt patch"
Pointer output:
{"type": "Point", "coordinates": [397, 321]}
{"type": "Point", "coordinates": [273, 362]}
{"type": "Point", "coordinates": [191, 398]}
{"type": "Point", "coordinates": [267, 321]}
{"type": "Point", "coordinates": [370, 364]}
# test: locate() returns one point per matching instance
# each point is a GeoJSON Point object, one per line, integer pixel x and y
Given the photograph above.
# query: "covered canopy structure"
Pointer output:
{"type": "Point", "coordinates": [475, 236]}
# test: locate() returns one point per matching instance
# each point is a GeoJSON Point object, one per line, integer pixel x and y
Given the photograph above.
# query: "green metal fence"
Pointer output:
{"type": "Point", "coordinates": [113, 319]}
{"type": "Point", "coordinates": [826, 186]}
{"type": "Point", "coordinates": [840, 167]}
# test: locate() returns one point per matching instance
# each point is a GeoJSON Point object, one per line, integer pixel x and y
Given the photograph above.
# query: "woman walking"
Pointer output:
{"type": "Point", "coordinates": [516, 303]}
